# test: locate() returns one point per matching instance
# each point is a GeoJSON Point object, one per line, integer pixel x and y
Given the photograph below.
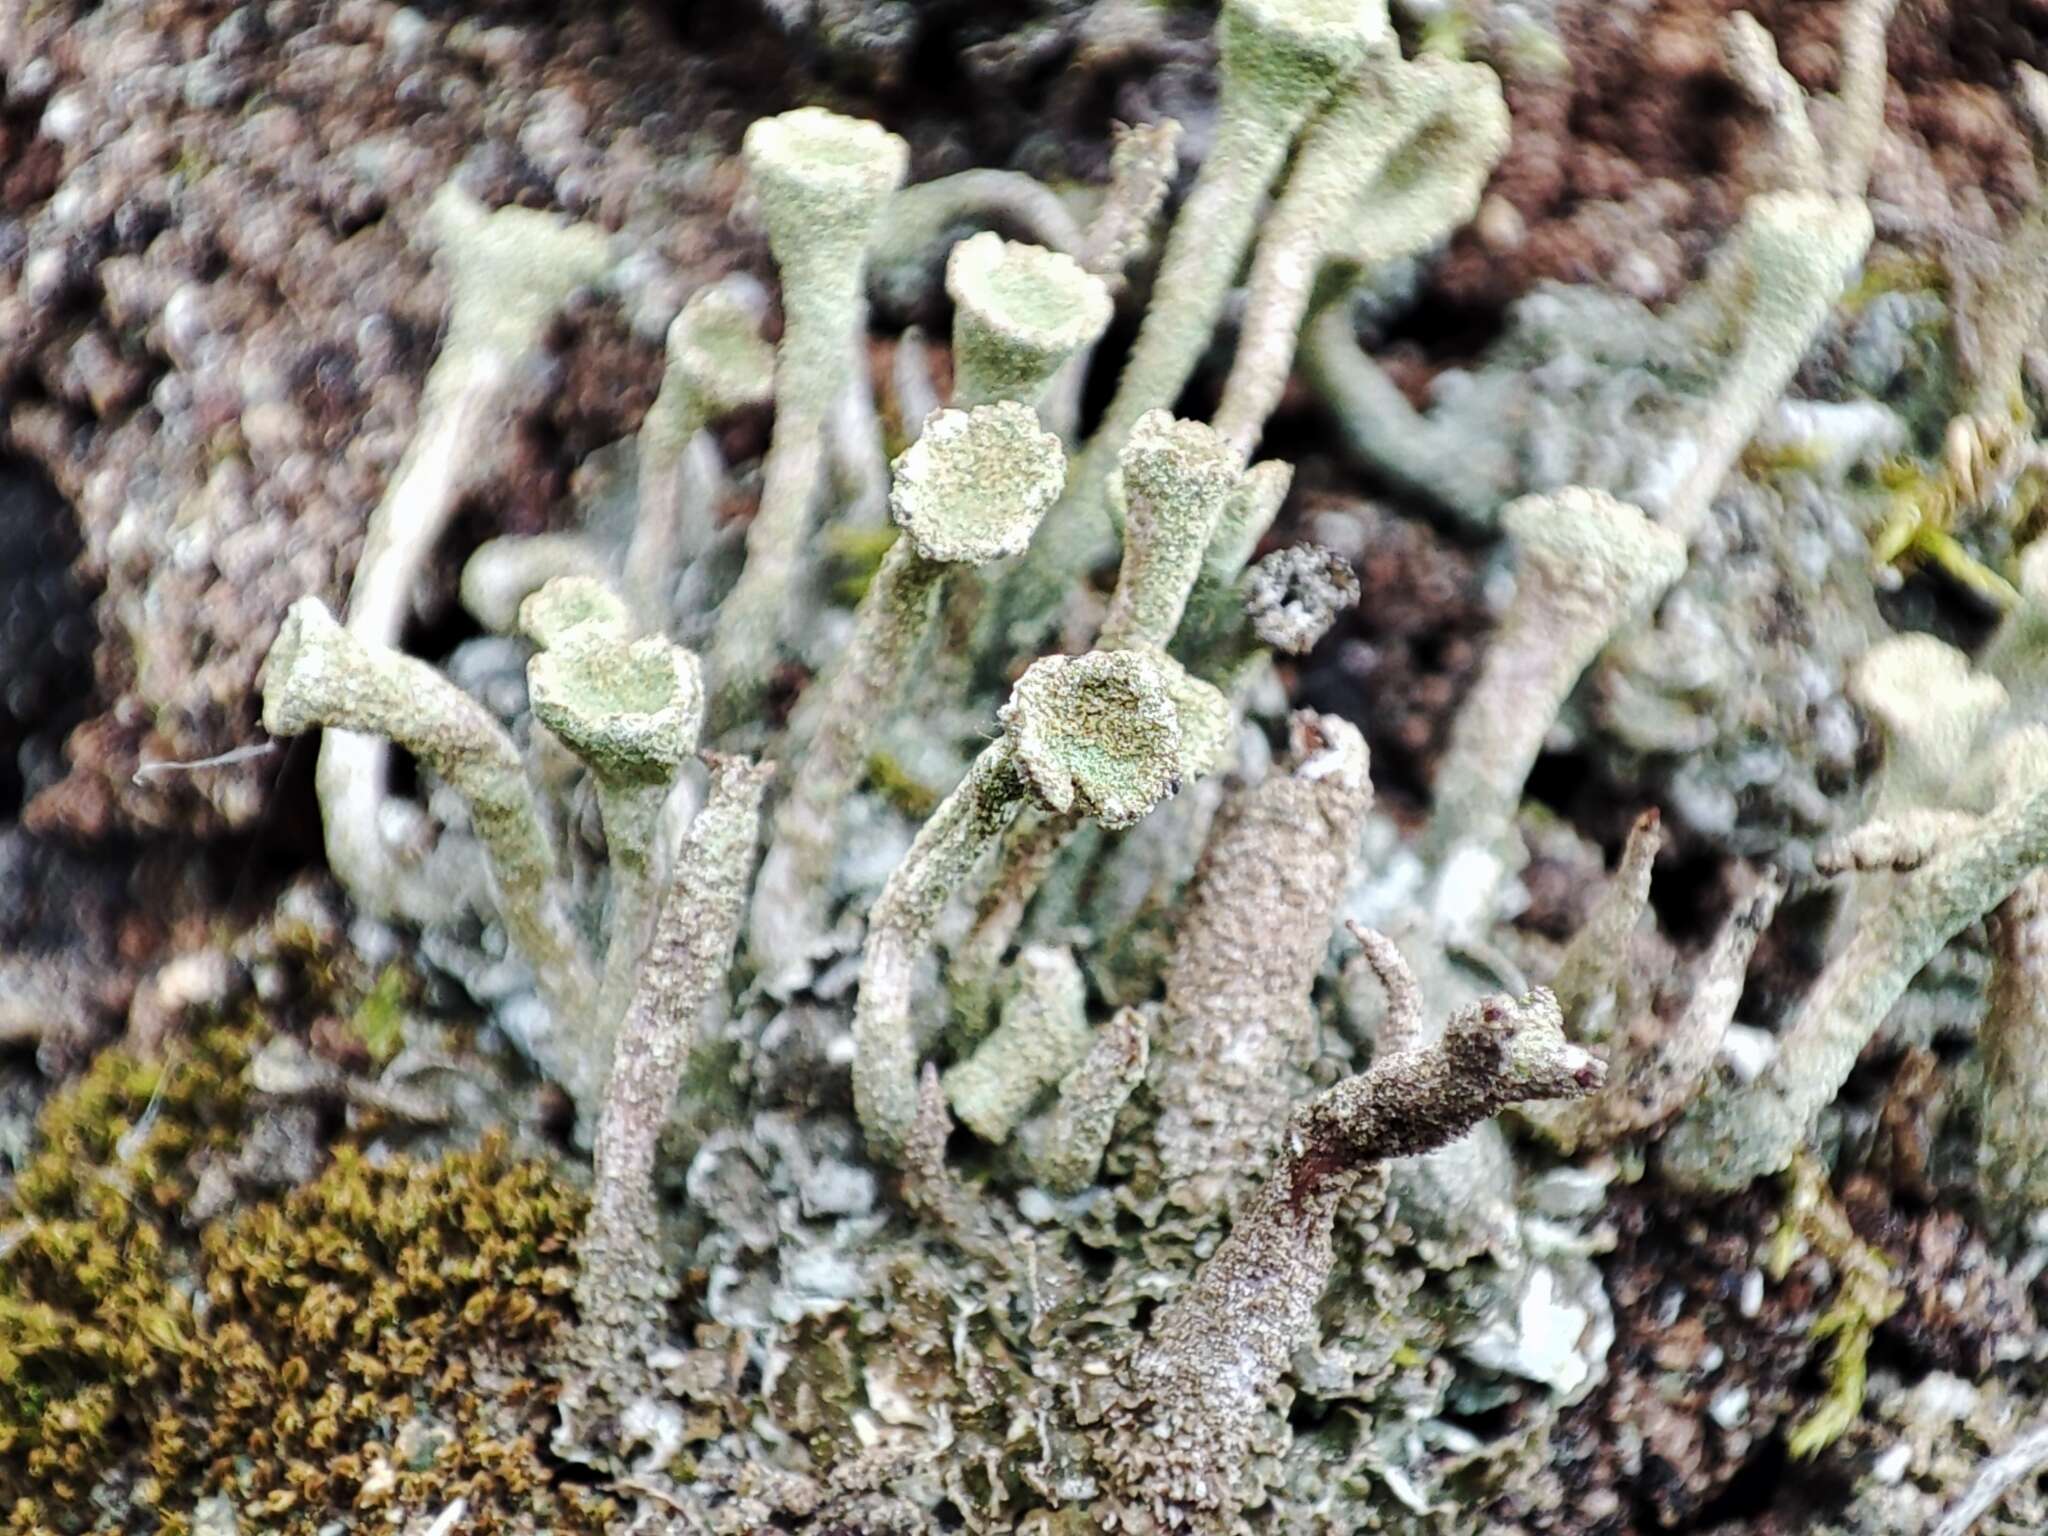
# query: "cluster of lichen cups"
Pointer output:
{"type": "Point", "coordinates": [997, 524]}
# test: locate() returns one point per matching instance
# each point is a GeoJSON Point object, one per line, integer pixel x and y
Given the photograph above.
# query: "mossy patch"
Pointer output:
{"type": "Point", "coordinates": [370, 1341]}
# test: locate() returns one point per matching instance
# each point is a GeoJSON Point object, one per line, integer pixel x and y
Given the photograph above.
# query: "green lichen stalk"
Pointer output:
{"type": "Point", "coordinates": [509, 273]}
{"type": "Point", "coordinates": [1395, 163]}
{"type": "Point", "coordinates": [630, 709]}
{"type": "Point", "coordinates": [1736, 1134]}
{"type": "Point", "coordinates": [969, 491]}
{"type": "Point", "coordinates": [1043, 1035]}
{"type": "Point", "coordinates": [320, 674]}
{"type": "Point", "coordinates": [1096, 734]}
{"type": "Point", "coordinates": [823, 181]}
{"type": "Point", "coordinates": [717, 362]}
{"type": "Point", "coordinates": [1586, 564]}
{"type": "Point", "coordinates": [1178, 477]}
{"type": "Point", "coordinates": [1281, 59]}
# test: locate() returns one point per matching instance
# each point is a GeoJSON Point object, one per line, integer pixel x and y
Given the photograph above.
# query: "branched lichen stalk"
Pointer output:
{"type": "Point", "coordinates": [1097, 734]}
{"type": "Point", "coordinates": [1175, 1448]}
{"type": "Point", "coordinates": [1235, 1031]}
{"type": "Point", "coordinates": [822, 182]}
{"type": "Point", "coordinates": [320, 674]}
{"type": "Point", "coordinates": [1595, 961]}
{"type": "Point", "coordinates": [1736, 1134]}
{"type": "Point", "coordinates": [1656, 1069]}
{"type": "Point", "coordinates": [625, 1277]}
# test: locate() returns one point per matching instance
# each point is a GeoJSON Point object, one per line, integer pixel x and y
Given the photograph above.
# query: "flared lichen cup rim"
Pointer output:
{"type": "Point", "coordinates": [1314, 39]}
{"type": "Point", "coordinates": [631, 709]}
{"type": "Point", "coordinates": [975, 484]}
{"type": "Point", "coordinates": [830, 162]}
{"type": "Point", "coordinates": [1584, 538]}
{"type": "Point", "coordinates": [1027, 296]}
{"type": "Point", "coordinates": [1931, 704]}
{"type": "Point", "coordinates": [565, 604]}
{"type": "Point", "coordinates": [717, 345]}
{"type": "Point", "coordinates": [1098, 734]}
{"type": "Point", "coordinates": [1169, 461]}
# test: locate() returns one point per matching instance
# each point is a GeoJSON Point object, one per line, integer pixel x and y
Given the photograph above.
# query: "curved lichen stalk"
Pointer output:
{"type": "Point", "coordinates": [1098, 735]}
{"type": "Point", "coordinates": [509, 272]}
{"type": "Point", "coordinates": [319, 674]}
{"type": "Point", "coordinates": [1735, 1133]}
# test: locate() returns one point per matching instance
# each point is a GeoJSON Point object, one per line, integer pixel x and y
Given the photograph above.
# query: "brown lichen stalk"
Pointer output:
{"type": "Point", "coordinates": [621, 1293]}
{"type": "Point", "coordinates": [1176, 1446]}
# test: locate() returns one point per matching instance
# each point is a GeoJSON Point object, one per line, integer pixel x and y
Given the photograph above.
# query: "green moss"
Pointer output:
{"type": "Point", "coordinates": [379, 1020]}
{"type": "Point", "coordinates": [309, 1356]}
{"type": "Point", "coordinates": [95, 1312]}
{"type": "Point", "coordinates": [855, 555]}
{"type": "Point", "coordinates": [896, 784]}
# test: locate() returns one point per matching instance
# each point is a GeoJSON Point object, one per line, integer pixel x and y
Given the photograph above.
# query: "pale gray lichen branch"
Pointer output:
{"type": "Point", "coordinates": [508, 272]}
{"type": "Point", "coordinates": [1175, 1447]}
{"type": "Point", "coordinates": [1735, 1134]}
{"type": "Point", "coordinates": [1401, 1027]}
{"type": "Point", "coordinates": [1775, 281]}
{"type": "Point", "coordinates": [319, 674]}
{"type": "Point", "coordinates": [822, 182]}
{"type": "Point", "coordinates": [2013, 1041]}
{"type": "Point", "coordinates": [625, 1278]}
{"type": "Point", "coordinates": [1234, 1031]}
{"type": "Point", "coordinates": [1142, 162]}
